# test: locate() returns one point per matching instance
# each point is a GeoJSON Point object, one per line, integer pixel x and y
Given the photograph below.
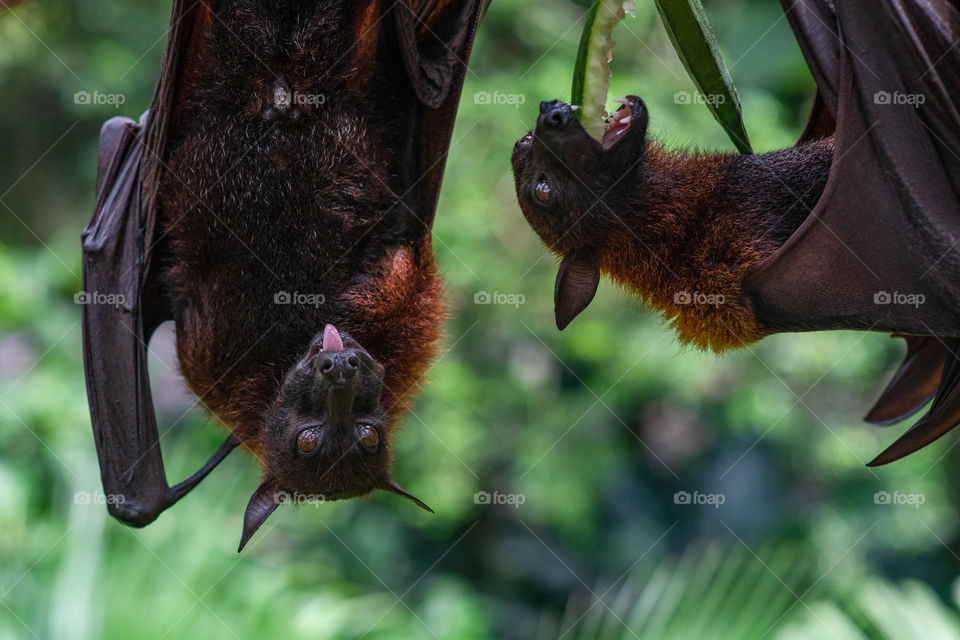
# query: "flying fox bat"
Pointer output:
{"type": "Point", "coordinates": [276, 203]}
{"type": "Point", "coordinates": [853, 228]}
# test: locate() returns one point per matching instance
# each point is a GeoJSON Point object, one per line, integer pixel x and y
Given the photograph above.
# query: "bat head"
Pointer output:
{"type": "Point", "coordinates": [326, 431]}
{"type": "Point", "coordinates": [571, 187]}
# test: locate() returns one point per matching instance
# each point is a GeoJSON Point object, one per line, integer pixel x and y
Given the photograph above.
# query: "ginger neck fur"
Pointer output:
{"type": "Point", "coordinates": [698, 222]}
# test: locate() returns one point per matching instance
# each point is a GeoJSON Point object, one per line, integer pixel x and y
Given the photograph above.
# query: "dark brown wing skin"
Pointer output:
{"type": "Point", "coordinates": [877, 252]}
{"type": "Point", "coordinates": [891, 208]}
{"type": "Point", "coordinates": [943, 416]}
{"type": "Point", "coordinates": [121, 243]}
{"type": "Point", "coordinates": [820, 122]}
{"type": "Point", "coordinates": [914, 382]}
{"type": "Point", "coordinates": [435, 38]}
{"type": "Point", "coordinates": [121, 410]}
{"type": "Point", "coordinates": [122, 309]}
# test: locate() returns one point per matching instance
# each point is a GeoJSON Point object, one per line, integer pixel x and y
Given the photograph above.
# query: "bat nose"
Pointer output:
{"type": "Point", "coordinates": [554, 115]}
{"type": "Point", "coordinates": [338, 367]}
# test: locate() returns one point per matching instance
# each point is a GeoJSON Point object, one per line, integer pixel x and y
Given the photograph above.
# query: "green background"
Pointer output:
{"type": "Point", "coordinates": [594, 430]}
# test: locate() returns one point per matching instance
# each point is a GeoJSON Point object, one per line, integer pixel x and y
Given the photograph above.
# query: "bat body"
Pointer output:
{"type": "Point", "coordinates": [680, 230]}
{"type": "Point", "coordinates": [281, 219]}
{"type": "Point", "coordinates": [853, 228]}
{"type": "Point", "coordinates": [278, 209]}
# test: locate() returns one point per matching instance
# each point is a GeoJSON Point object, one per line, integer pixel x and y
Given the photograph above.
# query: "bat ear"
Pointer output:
{"type": "Point", "coordinates": [262, 503]}
{"type": "Point", "coordinates": [392, 486]}
{"type": "Point", "coordinates": [577, 282]}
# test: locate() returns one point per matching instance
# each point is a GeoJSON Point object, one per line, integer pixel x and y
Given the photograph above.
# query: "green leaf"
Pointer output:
{"type": "Point", "coordinates": [691, 35]}
{"type": "Point", "coordinates": [591, 74]}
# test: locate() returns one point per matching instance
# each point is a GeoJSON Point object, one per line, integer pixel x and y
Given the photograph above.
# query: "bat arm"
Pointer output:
{"type": "Point", "coordinates": [138, 509]}
{"type": "Point", "coordinates": [183, 488]}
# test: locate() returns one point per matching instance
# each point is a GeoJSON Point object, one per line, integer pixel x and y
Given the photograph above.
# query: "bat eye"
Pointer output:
{"type": "Point", "coordinates": [542, 191]}
{"type": "Point", "coordinates": [308, 440]}
{"type": "Point", "coordinates": [369, 436]}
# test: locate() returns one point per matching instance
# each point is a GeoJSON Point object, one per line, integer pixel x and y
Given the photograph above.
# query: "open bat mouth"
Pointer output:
{"type": "Point", "coordinates": [618, 123]}
{"type": "Point", "coordinates": [559, 127]}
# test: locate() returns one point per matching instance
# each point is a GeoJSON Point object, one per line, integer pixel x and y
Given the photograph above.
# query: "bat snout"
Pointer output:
{"type": "Point", "coordinates": [338, 368]}
{"type": "Point", "coordinates": [554, 116]}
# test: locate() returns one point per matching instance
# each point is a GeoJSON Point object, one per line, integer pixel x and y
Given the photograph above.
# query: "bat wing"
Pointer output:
{"type": "Point", "coordinates": [435, 38]}
{"type": "Point", "coordinates": [914, 382]}
{"type": "Point", "coordinates": [124, 304]}
{"type": "Point", "coordinates": [944, 413]}
{"type": "Point", "coordinates": [877, 252]}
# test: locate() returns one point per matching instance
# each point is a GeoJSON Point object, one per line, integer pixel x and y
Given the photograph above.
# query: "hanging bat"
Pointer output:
{"type": "Point", "coordinates": [276, 203]}
{"type": "Point", "coordinates": [853, 228]}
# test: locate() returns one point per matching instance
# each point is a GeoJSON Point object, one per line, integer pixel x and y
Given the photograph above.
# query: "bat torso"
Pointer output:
{"type": "Point", "coordinates": [280, 216]}
{"type": "Point", "coordinates": [698, 222]}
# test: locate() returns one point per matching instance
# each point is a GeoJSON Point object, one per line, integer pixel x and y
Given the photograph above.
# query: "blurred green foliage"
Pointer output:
{"type": "Point", "coordinates": [597, 428]}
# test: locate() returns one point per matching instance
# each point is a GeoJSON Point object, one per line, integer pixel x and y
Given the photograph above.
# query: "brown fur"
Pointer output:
{"type": "Point", "coordinates": [400, 309]}
{"type": "Point", "coordinates": [707, 220]}
{"type": "Point", "coordinates": [680, 230]}
{"type": "Point", "coordinates": [252, 206]}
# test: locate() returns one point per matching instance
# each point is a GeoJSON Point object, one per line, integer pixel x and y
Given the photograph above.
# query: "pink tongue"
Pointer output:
{"type": "Point", "coordinates": [331, 339]}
